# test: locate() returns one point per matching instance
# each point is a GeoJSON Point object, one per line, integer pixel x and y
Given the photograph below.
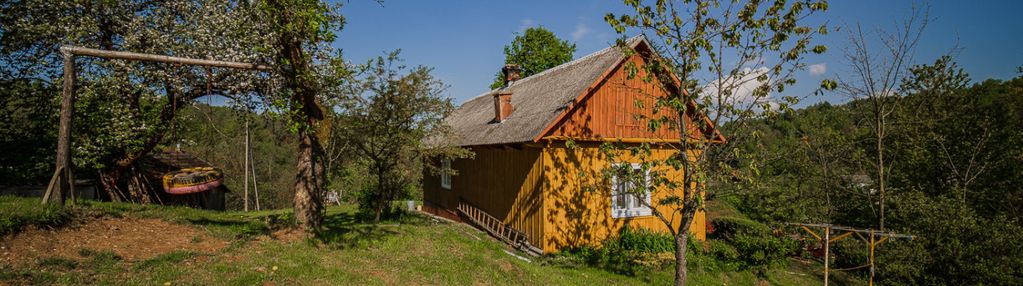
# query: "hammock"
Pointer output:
{"type": "Point", "coordinates": [192, 180]}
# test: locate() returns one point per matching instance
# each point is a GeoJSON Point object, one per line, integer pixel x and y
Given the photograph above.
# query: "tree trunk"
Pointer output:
{"type": "Point", "coordinates": [299, 78]}
{"type": "Point", "coordinates": [308, 183]}
{"type": "Point", "coordinates": [681, 241]}
{"type": "Point", "coordinates": [379, 209]}
{"type": "Point", "coordinates": [880, 168]}
{"type": "Point", "coordinates": [378, 205]}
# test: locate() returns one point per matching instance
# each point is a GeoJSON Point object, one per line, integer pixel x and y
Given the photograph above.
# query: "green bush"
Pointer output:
{"type": "Point", "coordinates": [740, 244]}
{"type": "Point", "coordinates": [632, 251]}
{"type": "Point", "coordinates": [760, 252]}
{"type": "Point", "coordinates": [747, 244]}
{"type": "Point", "coordinates": [644, 240]}
{"type": "Point", "coordinates": [728, 227]}
{"type": "Point", "coordinates": [725, 253]}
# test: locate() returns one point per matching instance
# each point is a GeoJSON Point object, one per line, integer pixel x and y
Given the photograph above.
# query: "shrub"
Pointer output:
{"type": "Point", "coordinates": [741, 244]}
{"type": "Point", "coordinates": [747, 244]}
{"type": "Point", "coordinates": [632, 251]}
{"type": "Point", "coordinates": [728, 227]}
{"type": "Point", "coordinates": [762, 252]}
{"type": "Point", "coordinates": [644, 240]}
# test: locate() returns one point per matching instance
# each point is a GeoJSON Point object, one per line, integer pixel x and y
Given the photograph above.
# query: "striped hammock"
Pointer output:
{"type": "Point", "coordinates": [192, 180]}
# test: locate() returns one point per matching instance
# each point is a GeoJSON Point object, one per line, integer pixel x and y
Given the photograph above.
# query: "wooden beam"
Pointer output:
{"type": "Point", "coordinates": [80, 51]}
{"type": "Point", "coordinates": [811, 232]}
{"type": "Point", "coordinates": [841, 236]}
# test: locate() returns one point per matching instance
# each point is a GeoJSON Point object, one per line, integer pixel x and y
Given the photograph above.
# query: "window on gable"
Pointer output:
{"type": "Point", "coordinates": [630, 195]}
{"type": "Point", "coordinates": [445, 173]}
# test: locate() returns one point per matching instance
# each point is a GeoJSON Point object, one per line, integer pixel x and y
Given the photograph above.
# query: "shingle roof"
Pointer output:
{"type": "Point", "coordinates": [156, 164]}
{"type": "Point", "coordinates": [537, 101]}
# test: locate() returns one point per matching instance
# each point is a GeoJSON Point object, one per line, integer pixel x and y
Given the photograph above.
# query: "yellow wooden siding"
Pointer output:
{"type": "Point", "coordinates": [503, 181]}
{"type": "Point", "coordinates": [578, 206]}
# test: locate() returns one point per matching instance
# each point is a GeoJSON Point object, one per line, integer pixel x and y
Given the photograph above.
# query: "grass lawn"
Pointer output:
{"type": "Point", "coordinates": [412, 250]}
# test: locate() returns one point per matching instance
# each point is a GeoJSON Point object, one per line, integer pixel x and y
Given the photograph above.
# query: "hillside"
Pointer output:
{"type": "Point", "coordinates": [146, 245]}
{"type": "Point", "coordinates": [954, 175]}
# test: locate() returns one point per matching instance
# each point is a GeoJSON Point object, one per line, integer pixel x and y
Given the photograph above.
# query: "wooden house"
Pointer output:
{"type": "Point", "coordinates": [526, 177]}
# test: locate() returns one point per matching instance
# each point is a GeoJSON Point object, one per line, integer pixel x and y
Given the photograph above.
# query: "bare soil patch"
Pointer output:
{"type": "Point", "coordinates": [289, 235]}
{"type": "Point", "coordinates": [130, 238]}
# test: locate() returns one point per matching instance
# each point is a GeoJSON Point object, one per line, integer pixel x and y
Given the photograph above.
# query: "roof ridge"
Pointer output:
{"type": "Point", "coordinates": [631, 41]}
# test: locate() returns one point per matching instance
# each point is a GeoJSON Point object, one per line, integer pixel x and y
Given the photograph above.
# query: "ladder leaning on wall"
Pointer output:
{"type": "Point", "coordinates": [497, 228]}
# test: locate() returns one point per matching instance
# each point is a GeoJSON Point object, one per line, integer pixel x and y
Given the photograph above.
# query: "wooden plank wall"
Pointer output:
{"type": "Point", "coordinates": [610, 111]}
{"type": "Point", "coordinates": [579, 205]}
{"type": "Point", "coordinates": [504, 181]}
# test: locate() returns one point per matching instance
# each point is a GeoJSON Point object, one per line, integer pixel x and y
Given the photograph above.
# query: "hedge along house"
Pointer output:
{"type": "Point", "coordinates": [524, 174]}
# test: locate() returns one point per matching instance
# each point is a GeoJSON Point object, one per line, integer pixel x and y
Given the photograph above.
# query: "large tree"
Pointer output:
{"type": "Point", "coordinates": [390, 123]}
{"type": "Point", "coordinates": [303, 31]}
{"type": "Point", "coordinates": [727, 57]}
{"type": "Point", "coordinates": [535, 50]}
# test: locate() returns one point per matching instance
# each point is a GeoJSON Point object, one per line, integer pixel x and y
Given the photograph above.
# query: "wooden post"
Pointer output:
{"type": "Point", "coordinates": [62, 183]}
{"type": "Point", "coordinates": [871, 258]}
{"type": "Point", "coordinates": [245, 166]}
{"type": "Point", "coordinates": [827, 254]}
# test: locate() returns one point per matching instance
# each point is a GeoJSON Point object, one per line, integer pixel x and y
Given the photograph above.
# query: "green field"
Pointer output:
{"type": "Point", "coordinates": [411, 250]}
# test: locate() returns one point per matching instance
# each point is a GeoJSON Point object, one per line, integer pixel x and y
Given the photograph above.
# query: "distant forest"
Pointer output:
{"type": "Point", "coordinates": [956, 180]}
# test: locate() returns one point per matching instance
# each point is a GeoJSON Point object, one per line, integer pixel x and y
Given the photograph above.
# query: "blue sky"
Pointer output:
{"type": "Point", "coordinates": [463, 40]}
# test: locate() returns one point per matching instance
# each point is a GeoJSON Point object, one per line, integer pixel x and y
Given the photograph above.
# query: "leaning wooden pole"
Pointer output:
{"type": "Point", "coordinates": [252, 163]}
{"type": "Point", "coordinates": [62, 183]}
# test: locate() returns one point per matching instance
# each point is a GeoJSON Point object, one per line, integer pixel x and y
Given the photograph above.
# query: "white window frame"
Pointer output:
{"type": "Point", "coordinates": [445, 173]}
{"type": "Point", "coordinates": [631, 211]}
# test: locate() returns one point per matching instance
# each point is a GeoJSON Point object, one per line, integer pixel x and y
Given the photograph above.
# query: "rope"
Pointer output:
{"type": "Point", "coordinates": [851, 268]}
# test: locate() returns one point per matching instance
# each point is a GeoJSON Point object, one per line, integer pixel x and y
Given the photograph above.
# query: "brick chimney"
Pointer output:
{"type": "Point", "coordinates": [502, 99]}
{"type": "Point", "coordinates": [502, 104]}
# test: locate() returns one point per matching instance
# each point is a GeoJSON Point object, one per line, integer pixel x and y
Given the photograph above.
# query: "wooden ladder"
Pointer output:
{"type": "Point", "coordinates": [497, 228]}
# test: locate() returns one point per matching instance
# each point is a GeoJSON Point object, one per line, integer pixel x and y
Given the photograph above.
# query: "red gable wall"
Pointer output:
{"type": "Point", "coordinates": [610, 110]}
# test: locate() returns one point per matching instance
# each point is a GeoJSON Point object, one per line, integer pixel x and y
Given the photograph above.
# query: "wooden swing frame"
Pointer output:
{"type": "Point", "coordinates": [62, 183]}
{"type": "Point", "coordinates": [876, 237]}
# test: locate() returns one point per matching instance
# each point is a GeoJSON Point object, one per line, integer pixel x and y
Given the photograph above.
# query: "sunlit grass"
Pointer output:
{"type": "Point", "coordinates": [349, 250]}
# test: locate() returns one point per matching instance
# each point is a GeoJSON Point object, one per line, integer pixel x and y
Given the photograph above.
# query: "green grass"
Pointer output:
{"type": "Point", "coordinates": [19, 212]}
{"type": "Point", "coordinates": [349, 251]}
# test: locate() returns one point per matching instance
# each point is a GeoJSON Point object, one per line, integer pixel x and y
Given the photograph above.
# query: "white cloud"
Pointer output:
{"type": "Point", "coordinates": [741, 86]}
{"type": "Point", "coordinates": [818, 69]}
{"type": "Point", "coordinates": [581, 30]}
{"type": "Point", "coordinates": [526, 23]}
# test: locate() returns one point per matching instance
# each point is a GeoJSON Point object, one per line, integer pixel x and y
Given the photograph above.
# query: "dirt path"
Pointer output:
{"type": "Point", "coordinates": [131, 239]}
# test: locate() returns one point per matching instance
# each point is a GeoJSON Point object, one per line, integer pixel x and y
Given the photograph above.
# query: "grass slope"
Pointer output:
{"type": "Point", "coordinates": [411, 250]}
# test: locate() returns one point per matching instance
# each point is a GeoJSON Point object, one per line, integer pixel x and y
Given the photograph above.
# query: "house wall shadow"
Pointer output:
{"type": "Point", "coordinates": [502, 180]}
